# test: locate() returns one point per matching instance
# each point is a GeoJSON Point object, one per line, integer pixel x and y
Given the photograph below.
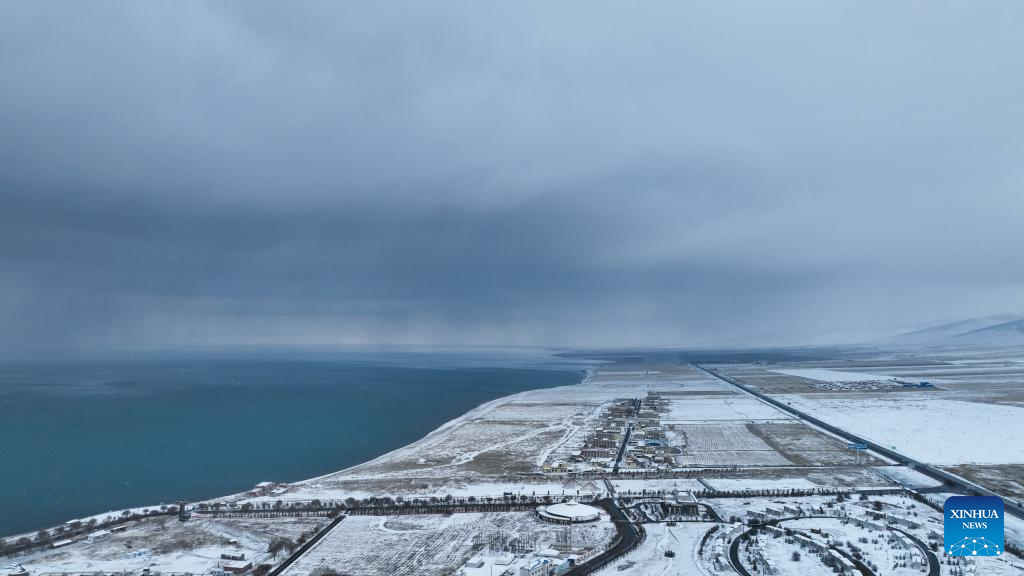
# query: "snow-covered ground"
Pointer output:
{"type": "Point", "coordinates": [762, 484]}
{"type": "Point", "coordinates": [824, 375]}
{"type": "Point", "coordinates": [932, 429]}
{"type": "Point", "coordinates": [413, 545]}
{"type": "Point", "coordinates": [700, 408]}
{"type": "Point", "coordinates": [907, 477]}
{"type": "Point", "coordinates": [649, 558]}
{"type": "Point", "coordinates": [166, 545]}
{"type": "Point", "coordinates": [879, 550]}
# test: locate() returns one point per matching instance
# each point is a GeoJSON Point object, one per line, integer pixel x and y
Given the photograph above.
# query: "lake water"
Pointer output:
{"type": "Point", "coordinates": [84, 436]}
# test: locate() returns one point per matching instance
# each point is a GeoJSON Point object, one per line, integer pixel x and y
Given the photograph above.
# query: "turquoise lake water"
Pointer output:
{"type": "Point", "coordinates": [81, 437]}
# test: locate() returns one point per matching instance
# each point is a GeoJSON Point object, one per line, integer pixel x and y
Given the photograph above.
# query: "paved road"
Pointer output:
{"type": "Point", "coordinates": [629, 430]}
{"type": "Point", "coordinates": [305, 547]}
{"type": "Point", "coordinates": [630, 536]}
{"type": "Point", "coordinates": [933, 560]}
{"type": "Point", "coordinates": [622, 449]}
{"type": "Point", "coordinates": [1012, 507]}
{"type": "Point", "coordinates": [734, 552]}
{"type": "Point", "coordinates": [611, 488]}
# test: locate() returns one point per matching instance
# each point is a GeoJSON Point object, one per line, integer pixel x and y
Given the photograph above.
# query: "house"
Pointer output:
{"type": "Point", "coordinates": [681, 503]}
{"type": "Point", "coordinates": [538, 567]}
{"type": "Point", "coordinates": [140, 553]}
{"type": "Point", "coordinates": [240, 567]}
{"type": "Point", "coordinates": [262, 489]}
{"type": "Point", "coordinates": [593, 452]}
{"type": "Point", "coordinates": [847, 568]}
{"type": "Point", "coordinates": [558, 468]}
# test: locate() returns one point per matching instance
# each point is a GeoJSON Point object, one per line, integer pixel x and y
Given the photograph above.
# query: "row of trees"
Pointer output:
{"type": "Point", "coordinates": [771, 492]}
{"type": "Point", "coordinates": [378, 502]}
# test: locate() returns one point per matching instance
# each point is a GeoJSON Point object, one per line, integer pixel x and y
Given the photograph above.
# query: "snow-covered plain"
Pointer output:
{"type": "Point", "coordinates": [929, 428]}
{"type": "Point", "coordinates": [412, 545]}
{"type": "Point", "coordinates": [824, 375]}
{"type": "Point", "coordinates": [649, 558]}
{"type": "Point", "coordinates": [166, 545]}
{"type": "Point", "coordinates": [701, 408]}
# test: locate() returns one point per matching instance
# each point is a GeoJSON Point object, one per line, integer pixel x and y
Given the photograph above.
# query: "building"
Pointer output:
{"type": "Point", "coordinates": [240, 567]}
{"type": "Point", "coordinates": [559, 468]}
{"type": "Point", "coordinates": [262, 489]}
{"type": "Point", "coordinates": [140, 553]}
{"type": "Point", "coordinates": [538, 567]}
{"type": "Point", "coordinates": [570, 512]}
{"type": "Point", "coordinates": [681, 503]}
{"type": "Point", "coordinates": [594, 452]}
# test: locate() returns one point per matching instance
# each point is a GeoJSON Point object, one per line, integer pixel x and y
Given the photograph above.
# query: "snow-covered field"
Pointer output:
{"type": "Point", "coordinates": [649, 558]}
{"type": "Point", "coordinates": [907, 477]}
{"type": "Point", "coordinates": [878, 550]}
{"type": "Point", "coordinates": [413, 545]}
{"type": "Point", "coordinates": [166, 545]}
{"type": "Point", "coordinates": [824, 375]}
{"type": "Point", "coordinates": [932, 429]}
{"type": "Point", "coordinates": [699, 408]}
{"type": "Point", "coordinates": [766, 484]}
{"type": "Point", "coordinates": [655, 485]}
{"type": "Point", "coordinates": [710, 437]}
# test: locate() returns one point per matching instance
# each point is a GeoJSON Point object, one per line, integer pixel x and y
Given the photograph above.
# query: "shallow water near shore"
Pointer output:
{"type": "Point", "coordinates": [84, 436]}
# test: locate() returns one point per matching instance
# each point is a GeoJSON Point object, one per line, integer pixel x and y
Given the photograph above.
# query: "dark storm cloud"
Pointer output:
{"type": "Point", "coordinates": [194, 173]}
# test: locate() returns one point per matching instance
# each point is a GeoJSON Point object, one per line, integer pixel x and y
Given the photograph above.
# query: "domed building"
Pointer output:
{"type": "Point", "coordinates": [570, 512]}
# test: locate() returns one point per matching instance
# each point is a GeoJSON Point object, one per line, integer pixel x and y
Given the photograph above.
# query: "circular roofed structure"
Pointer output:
{"type": "Point", "coordinates": [570, 512]}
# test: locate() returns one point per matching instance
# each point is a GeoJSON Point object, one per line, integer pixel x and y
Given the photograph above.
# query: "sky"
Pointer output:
{"type": "Point", "coordinates": [523, 173]}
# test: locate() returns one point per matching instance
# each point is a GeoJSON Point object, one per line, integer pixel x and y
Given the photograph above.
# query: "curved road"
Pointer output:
{"type": "Point", "coordinates": [734, 555]}
{"type": "Point", "coordinates": [630, 536]}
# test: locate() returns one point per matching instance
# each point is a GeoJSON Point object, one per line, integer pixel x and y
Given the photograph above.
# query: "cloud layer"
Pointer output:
{"type": "Point", "coordinates": [586, 173]}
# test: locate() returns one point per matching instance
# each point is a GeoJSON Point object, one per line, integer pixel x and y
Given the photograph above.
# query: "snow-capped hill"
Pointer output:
{"type": "Point", "coordinates": [948, 333]}
{"type": "Point", "coordinates": [1004, 334]}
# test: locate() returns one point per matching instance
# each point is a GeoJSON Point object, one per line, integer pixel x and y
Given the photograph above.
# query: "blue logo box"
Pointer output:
{"type": "Point", "coordinates": [973, 526]}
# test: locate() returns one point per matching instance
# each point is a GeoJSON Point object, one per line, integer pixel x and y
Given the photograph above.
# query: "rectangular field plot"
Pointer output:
{"type": "Point", "coordinates": [806, 446]}
{"type": "Point", "coordinates": [732, 458]}
{"type": "Point", "coordinates": [1007, 479]}
{"type": "Point", "coordinates": [932, 429]}
{"type": "Point", "coordinates": [723, 445]}
{"type": "Point", "coordinates": [706, 437]}
{"type": "Point", "coordinates": [823, 375]}
{"type": "Point", "coordinates": [717, 407]}
{"type": "Point", "coordinates": [544, 413]}
{"type": "Point", "coordinates": [429, 545]}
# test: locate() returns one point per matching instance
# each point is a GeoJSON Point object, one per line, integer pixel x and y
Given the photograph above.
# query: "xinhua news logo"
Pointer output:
{"type": "Point", "coordinates": [974, 526]}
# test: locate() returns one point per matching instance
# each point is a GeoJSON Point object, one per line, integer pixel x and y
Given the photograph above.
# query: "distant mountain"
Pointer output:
{"type": "Point", "coordinates": [999, 329]}
{"type": "Point", "coordinates": [1006, 333]}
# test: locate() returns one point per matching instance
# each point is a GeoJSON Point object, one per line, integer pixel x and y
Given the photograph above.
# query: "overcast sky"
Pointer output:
{"type": "Point", "coordinates": [580, 173]}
